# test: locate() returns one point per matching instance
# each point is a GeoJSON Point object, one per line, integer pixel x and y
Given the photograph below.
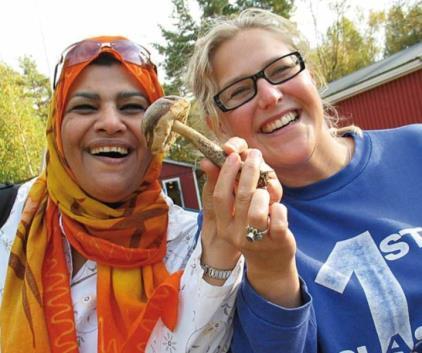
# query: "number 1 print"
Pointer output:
{"type": "Point", "coordinates": [383, 292]}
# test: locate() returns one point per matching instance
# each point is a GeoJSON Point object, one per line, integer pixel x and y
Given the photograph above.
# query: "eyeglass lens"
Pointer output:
{"type": "Point", "coordinates": [84, 51]}
{"type": "Point", "coordinates": [281, 70]}
{"type": "Point", "coordinates": [130, 52]}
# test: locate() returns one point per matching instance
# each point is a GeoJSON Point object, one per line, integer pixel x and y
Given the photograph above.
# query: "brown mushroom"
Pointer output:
{"type": "Point", "coordinates": [167, 116]}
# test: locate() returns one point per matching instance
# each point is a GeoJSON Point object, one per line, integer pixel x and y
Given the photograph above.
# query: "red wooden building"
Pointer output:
{"type": "Point", "coordinates": [179, 182]}
{"type": "Point", "coordinates": [385, 94]}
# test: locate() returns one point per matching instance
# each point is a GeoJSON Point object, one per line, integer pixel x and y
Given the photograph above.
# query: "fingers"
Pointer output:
{"type": "Point", "coordinates": [259, 210]}
{"type": "Point", "coordinates": [207, 192]}
{"type": "Point", "coordinates": [272, 184]}
{"type": "Point", "coordinates": [223, 198]}
{"type": "Point", "coordinates": [272, 218]}
{"type": "Point", "coordinates": [247, 184]}
{"type": "Point", "coordinates": [210, 169]}
{"type": "Point", "coordinates": [235, 144]}
{"type": "Point", "coordinates": [279, 225]}
{"type": "Point", "coordinates": [231, 197]}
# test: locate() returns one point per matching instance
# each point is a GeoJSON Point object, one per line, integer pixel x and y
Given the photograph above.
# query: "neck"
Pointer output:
{"type": "Point", "coordinates": [322, 163]}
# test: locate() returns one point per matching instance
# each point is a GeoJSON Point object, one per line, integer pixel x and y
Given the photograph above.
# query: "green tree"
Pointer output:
{"type": "Point", "coordinates": [36, 86]}
{"type": "Point", "coordinates": [178, 48]}
{"type": "Point", "coordinates": [403, 27]}
{"type": "Point", "coordinates": [344, 49]}
{"type": "Point", "coordinates": [21, 131]}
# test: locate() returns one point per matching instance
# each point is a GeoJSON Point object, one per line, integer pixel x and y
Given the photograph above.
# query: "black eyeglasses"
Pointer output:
{"type": "Point", "coordinates": [87, 49]}
{"type": "Point", "coordinates": [276, 72]}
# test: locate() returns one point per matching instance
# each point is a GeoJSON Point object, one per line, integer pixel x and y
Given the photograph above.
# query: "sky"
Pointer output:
{"type": "Point", "coordinates": [43, 28]}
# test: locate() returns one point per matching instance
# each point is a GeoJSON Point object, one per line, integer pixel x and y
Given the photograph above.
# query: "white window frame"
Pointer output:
{"type": "Point", "coordinates": [177, 180]}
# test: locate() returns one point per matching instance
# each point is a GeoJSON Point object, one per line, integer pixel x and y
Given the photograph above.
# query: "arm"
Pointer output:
{"type": "Point", "coordinates": [205, 311]}
{"type": "Point", "coordinates": [271, 267]}
{"type": "Point", "coordinates": [261, 326]}
{"type": "Point", "coordinates": [232, 204]}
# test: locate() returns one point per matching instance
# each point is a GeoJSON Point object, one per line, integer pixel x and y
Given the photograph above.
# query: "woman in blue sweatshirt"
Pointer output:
{"type": "Point", "coordinates": [335, 267]}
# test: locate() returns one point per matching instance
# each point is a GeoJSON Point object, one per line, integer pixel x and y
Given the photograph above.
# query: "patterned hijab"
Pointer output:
{"type": "Point", "coordinates": [128, 243]}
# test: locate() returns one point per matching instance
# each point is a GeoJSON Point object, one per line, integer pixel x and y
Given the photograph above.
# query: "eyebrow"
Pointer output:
{"type": "Point", "coordinates": [129, 94]}
{"type": "Point", "coordinates": [88, 95]}
{"type": "Point", "coordinates": [242, 77]}
{"type": "Point", "coordinates": [95, 96]}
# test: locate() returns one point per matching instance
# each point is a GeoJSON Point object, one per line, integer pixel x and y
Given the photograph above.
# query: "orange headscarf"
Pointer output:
{"type": "Point", "coordinates": [134, 288]}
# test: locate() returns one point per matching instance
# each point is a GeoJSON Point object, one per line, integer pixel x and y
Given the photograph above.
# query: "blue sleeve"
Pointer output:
{"type": "Point", "coordinates": [262, 327]}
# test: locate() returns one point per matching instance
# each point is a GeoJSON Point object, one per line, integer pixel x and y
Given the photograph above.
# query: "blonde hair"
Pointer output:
{"type": "Point", "coordinates": [200, 75]}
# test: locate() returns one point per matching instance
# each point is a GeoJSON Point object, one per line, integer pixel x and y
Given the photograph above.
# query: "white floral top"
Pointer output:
{"type": "Point", "coordinates": [205, 313]}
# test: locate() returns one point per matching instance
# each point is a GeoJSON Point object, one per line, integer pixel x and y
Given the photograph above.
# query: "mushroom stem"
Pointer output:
{"type": "Point", "coordinates": [208, 148]}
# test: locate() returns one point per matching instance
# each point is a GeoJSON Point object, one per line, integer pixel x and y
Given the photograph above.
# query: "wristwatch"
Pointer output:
{"type": "Point", "coordinates": [215, 273]}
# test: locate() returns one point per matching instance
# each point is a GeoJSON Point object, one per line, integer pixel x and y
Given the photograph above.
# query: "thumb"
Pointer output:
{"type": "Point", "coordinates": [211, 171]}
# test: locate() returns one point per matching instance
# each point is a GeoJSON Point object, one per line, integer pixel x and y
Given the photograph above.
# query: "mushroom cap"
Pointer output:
{"type": "Point", "coordinates": [157, 123]}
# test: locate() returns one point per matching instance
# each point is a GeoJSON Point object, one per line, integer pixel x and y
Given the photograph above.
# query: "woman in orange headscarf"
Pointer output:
{"type": "Point", "coordinates": [96, 251]}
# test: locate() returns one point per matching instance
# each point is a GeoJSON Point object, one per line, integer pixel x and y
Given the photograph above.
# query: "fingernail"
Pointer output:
{"type": "Point", "coordinates": [255, 154]}
{"type": "Point", "coordinates": [230, 146]}
{"type": "Point", "coordinates": [232, 158]}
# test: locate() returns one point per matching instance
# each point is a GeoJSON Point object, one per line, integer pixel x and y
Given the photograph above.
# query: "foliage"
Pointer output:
{"type": "Point", "coordinates": [343, 48]}
{"type": "Point", "coordinates": [21, 130]}
{"type": "Point", "coordinates": [403, 28]}
{"type": "Point", "coordinates": [179, 47]}
{"type": "Point", "coordinates": [348, 46]}
{"type": "Point", "coordinates": [36, 86]}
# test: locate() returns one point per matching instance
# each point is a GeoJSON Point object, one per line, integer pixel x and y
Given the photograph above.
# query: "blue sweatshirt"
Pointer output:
{"type": "Point", "coordinates": [359, 255]}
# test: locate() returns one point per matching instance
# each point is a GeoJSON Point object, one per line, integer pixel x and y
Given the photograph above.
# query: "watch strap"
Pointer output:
{"type": "Point", "coordinates": [212, 272]}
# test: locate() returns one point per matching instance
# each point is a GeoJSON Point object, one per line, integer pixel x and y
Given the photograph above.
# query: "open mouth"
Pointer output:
{"type": "Point", "coordinates": [109, 151]}
{"type": "Point", "coordinates": [280, 123]}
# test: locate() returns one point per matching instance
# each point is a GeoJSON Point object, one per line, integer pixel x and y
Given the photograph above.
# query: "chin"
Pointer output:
{"type": "Point", "coordinates": [116, 196]}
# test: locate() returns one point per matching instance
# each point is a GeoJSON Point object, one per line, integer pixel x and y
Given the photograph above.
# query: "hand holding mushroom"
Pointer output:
{"type": "Point", "coordinates": [167, 116]}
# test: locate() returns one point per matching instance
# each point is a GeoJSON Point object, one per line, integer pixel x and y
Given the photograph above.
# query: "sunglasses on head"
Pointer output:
{"type": "Point", "coordinates": [86, 50]}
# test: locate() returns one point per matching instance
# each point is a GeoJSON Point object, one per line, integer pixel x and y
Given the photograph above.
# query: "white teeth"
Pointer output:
{"type": "Point", "coordinates": [107, 149]}
{"type": "Point", "coordinates": [276, 124]}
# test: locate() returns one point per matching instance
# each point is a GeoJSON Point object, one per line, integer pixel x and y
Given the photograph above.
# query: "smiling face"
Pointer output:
{"type": "Point", "coordinates": [101, 133]}
{"type": "Point", "coordinates": [284, 121]}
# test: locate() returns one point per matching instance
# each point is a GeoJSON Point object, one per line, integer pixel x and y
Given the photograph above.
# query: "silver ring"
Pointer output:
{"type": "Point", "coordinates": [253, 234]}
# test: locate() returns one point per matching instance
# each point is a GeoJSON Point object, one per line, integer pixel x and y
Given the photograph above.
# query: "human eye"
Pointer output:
{"type": "Point", "coordinates": [134, 107]}
{"type": "Point", "coordinates": [82, 108]}
{"type": "Point", "coordinates": [239, 90]}
{"type": "Point", "coordinates": [133, 104]}
{"type": "Point", "coordinates": [281, 69]}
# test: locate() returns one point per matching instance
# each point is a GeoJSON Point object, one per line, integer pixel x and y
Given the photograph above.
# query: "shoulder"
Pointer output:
{"type": "Point", "coordinates": [12, 218]}
{"type": "Point", "coordinates": [394, 151]}
{"type": "Point", "coordinates": [405, 139]}
{"type": "Point", "coordinates": [399, 134]}
{"type": "Point", "coordinates": [15, 196]}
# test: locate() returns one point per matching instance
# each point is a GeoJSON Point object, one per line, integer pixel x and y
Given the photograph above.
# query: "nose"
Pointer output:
{"type": "Point", "coordinates": [268, 94]}
{"type": "Point", "coordinates": [110, 121]}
